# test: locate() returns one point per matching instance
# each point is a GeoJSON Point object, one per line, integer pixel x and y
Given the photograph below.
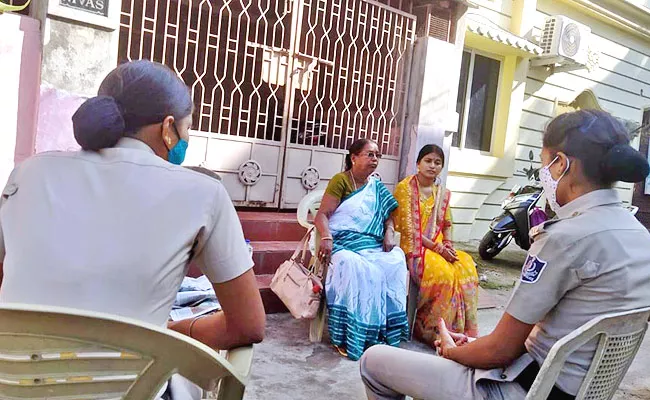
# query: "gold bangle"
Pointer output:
{"type": "Point", "coordinates": [189, 333]}
{"type": "Point", "coordinates": [327, 238]}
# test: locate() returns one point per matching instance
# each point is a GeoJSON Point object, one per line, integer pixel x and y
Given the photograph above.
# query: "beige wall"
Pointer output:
{"type": "Point", "coordinates": [621, 82]}
{"type": "Point", "coordinates": [79, 50]}
{"type": "Point", "coordinates": [19, 76]}
{"type": "Point", "coordinates": [498, 11]}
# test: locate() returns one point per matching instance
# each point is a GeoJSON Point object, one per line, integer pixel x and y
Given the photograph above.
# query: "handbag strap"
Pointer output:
{"type": "Point", "coordinates": [303, 244]}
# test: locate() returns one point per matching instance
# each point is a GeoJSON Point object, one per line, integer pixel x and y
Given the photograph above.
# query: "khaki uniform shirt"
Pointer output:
{"type": "Point", "coordinates": [114, 231]}
{"type": "Point", "coordinates": [594, 260]}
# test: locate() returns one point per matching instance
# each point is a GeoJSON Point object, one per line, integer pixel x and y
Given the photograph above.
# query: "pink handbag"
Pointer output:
{"type": "Point", "coordinates": [298, 287]}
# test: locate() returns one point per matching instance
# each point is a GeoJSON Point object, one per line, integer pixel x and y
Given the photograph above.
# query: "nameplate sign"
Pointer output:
{"type": "Point", "coordinates": [99, 7]}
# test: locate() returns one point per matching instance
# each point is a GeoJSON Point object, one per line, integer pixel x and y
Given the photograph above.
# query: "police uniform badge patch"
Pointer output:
{"type": "Point", "coordinates": [532, 270]}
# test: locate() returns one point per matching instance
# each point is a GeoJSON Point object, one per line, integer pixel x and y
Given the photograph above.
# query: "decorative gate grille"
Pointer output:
{"type": "Point", "coordinates": [277, 82]}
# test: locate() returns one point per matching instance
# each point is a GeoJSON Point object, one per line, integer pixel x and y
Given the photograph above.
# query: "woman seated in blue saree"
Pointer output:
{"type": "Point", "coordinates": [366, 281]}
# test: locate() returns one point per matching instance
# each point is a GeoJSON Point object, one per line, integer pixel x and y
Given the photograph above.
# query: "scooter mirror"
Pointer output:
{"type": "Point", "coordinates": [531, 156]}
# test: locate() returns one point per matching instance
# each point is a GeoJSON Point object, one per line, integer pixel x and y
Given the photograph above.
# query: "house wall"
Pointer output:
{"type": "Point", "coordinates": [20, 56]}
{"type": "Point", "coordinates": [474, 177]}
{"type": "Point", "coordinates": [621, 82]}
{"type": "Point", "coordinates": [498, 11]}
{"type": "Point", "coordinates": [79, 50]}
{"type": "Point", "coordinates": [431, 115]}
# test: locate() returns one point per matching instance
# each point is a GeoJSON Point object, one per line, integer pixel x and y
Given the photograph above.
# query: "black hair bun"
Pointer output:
{"type": "Point", "coordinates": [623, 163]}
{"type": "Point", "coordinates": [98, 123]}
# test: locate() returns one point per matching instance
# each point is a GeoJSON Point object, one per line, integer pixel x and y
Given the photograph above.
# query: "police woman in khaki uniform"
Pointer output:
{"type": "Point", "coordinates": [592, 260]}
{"type": "Point", "coordinates": [113, 228]}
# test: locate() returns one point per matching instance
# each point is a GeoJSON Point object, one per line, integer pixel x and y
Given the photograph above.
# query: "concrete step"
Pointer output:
{"type": "Point", "coordinates": [274, 237]}
{"type": "Point", "coordinates": [272, 304]}
{"type": "Point", "coordinates": [268, 256]}
{"type": "Point", "coordinates": [270, 226]}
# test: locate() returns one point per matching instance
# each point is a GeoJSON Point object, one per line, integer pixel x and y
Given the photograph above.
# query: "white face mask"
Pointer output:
{"type": "Point", "coordinates": [550, 185]}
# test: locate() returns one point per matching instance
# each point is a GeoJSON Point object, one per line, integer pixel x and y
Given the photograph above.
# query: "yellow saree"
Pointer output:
{"type": "Point", "coordinates": [447, 290]}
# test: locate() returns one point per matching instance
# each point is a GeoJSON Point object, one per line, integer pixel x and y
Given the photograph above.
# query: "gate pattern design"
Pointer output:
{"type": "Point", "coordinates": [305, 73]}
{"type": "Point", "coordinates": [211, 46]}
{"type": "Point", "coordinates": [357, 54]}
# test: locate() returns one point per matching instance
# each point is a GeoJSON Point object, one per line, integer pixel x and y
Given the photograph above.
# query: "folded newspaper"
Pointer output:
{"type": "Point", "coordinates": [195, 297]}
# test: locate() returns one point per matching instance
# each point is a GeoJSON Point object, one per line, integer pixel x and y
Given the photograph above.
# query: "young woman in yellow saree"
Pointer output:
{"type": "Point", "coordinates": [447, 278]}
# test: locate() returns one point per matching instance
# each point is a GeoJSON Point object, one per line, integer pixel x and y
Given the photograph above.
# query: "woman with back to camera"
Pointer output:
{"type": "Point", "coordinates": [591, 260]}
{"type": "Point", "coordinates": [366, 283]}
{"type": "Point", "coordinates": [116, 225]}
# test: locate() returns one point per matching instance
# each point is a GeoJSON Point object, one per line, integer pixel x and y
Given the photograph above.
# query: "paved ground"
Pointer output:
{"type": "Point", "coordinates": [288, 366]}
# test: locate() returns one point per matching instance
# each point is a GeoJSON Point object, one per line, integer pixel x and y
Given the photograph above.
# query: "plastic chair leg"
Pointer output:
{"type": "Point", "coordinates": [317, 325]}
{"type": "Point", "coordinates": [230, 389]}
{"type": "Point", "coordinates": [412, 306]}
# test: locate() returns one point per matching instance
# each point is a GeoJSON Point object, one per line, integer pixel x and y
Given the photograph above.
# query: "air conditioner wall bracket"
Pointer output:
{"type": "Point", "coordinates": [567, 67]}
{"type": "Point", "coordinates": [544, 61]}
{"type": "Point", "coordinates": [556, 64]}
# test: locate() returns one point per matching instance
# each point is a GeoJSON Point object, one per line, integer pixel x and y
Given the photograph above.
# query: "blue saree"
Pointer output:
{"type": "Point", "coordinates": [365, 286]}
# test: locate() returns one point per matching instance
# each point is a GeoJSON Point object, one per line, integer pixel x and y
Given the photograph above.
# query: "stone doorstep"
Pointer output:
{"type": "Point", "coordinates": [271, 226]}
{"type": "Point", "coordinates": [274, 237]}
{"type": "Point", "coordinates": [268, 256]}
{"type": "Point", "coordinates": [272, 303]}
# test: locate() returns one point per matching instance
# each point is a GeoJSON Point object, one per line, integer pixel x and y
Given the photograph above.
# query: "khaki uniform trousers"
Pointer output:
{"type": "Point", "coordinates": [393, 373]}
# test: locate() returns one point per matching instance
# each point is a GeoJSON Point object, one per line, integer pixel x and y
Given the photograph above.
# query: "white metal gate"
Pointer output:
{"type": "Point", "coordinates": [281, 88]}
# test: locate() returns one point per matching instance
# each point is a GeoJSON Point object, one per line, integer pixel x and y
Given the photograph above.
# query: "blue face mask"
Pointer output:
{"type": "Point", "coordinates": [176, 154]}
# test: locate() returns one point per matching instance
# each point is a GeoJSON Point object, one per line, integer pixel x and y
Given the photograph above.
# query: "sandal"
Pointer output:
{"type": "Point", "coordinates": [341, 350]}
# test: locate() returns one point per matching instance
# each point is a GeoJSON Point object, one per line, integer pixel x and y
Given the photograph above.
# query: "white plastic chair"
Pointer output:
{"type": "Point", "coordinates": [307, 210]}
{"type": "Point", "coordinates": [619, 338]}
{"type": "Point", "coordinates": [4, 7]}
{"type": "Point", "coordinates": [60, 353]}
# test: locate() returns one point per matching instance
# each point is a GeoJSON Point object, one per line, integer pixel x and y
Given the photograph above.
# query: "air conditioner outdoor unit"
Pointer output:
{"type": "Point", "coordinates": [564, 42]}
